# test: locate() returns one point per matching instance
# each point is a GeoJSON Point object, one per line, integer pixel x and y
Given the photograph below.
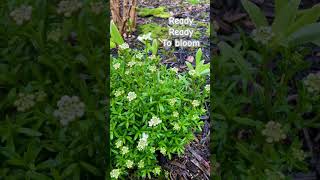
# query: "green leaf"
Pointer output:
{"type": "Point", "coordinates": [198, 56]}
{"type": "Point", "coordinates": [279, 5]}
{"type": "Point", "coordinates": [308, 16]}
{"type": "Point", "coordinates": [29, 132]}
{"type": "Point", "coordinates": [70, 169]}
{"type": "Point", "coordinates": [189, 66]}
{"type": "Point", "coordinates": [285, 18]}
{"type": "Point", "coordinates": [306, 34]}
{"type": "Point", "coordinates": [155, 46]}
{"type": "Point", "coordinates": [90, 168]}
{"type": "Point", "coordinates": [246, 121]}
{"type": "Point", "coordinates": [255, 13]}
{"type": "Point", "coordinates": [115, 34]}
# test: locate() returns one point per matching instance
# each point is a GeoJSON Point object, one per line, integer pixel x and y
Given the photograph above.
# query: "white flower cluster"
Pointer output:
{"type": "Point", "coordinates": [145, 37]}
{"type": "Point", "coordinates": [25, 102]}
{"type": "Point", "coordinates": [192, 72]}
{"type": "Point", "coordinates": [175, 114]}
{"type": "Point", "coordinates": [153, 68]}
{"type": "Point", "coordinates": [172, 101]}
{"type": "Point", "coordinates": [176, 126]}
{"type": "Point", "coordinates": [154, 121]}
{"type": "Point", "coordinates": [207, 87]}
{"type": "Point", "coordinates": [139, 56]}
{"type": "Point", "coordinates": [262, 34]}
{"type": "Point", "coordinates": [69, 108]}
{"type": "Point", "coordinates": [157, 170]}
{"type": "Point", "coordinates": [119, 143]}
{"type": "Point", "coordinates": [124, 150]}
{"type": "Point", "coordinates": [97, 7]}
{"type": "Point", "coordinates": [124, 46]}
{"type": "Point", "coordinates": [312, 82]}
{"type": "Point", "coordinates": [273, 132]}
{"type": "Point", "coordinates": [55, 35]}
{"type": "Point", "coordinates": [21, 14]}
{"type": "Point", "coordinates": [174, 69]}
{"type": "Point", "coordinates": [129, 164]}
{"type": "Point", "coordinates": [119, 93]}
{"type": "Point", "coordinates": [115, 173]}
{"type": "Point", "coordinates": [67, 7]}
{"type": "Point", "coordinates": [195, 103]}
{"type": "Point", "coordinates": [116, 66]}
{"type": "Point", "coordinates": [131, 63]}
{"type": "Point", "coordinates": [141, 164]}
{"type": "Point", "coordinates": [131, 96]}
{"type": "Point", "coordinates": [143, 142]}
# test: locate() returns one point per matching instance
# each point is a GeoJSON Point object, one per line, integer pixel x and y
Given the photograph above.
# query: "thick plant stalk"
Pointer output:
{"type": "Point", "coordinates": [124, 14]}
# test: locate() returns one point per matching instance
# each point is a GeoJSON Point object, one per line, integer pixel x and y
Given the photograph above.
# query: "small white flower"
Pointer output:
{"type": "Point", "coordinates": [21, 14]}
{"type": "Point", "coordinates": [175, 114]}
{"type": "Point", "coordinates": [69, 108]}
{"type": "Point", "coordinates": [207, 87]}
{"type": "Point", "coordinates": [175, 69]}
{"type": "Point", "coordinates": [139, 56]}
{"type": "Point", "coordinates": [145, 37]}
{"type": "Point", "coordinates": [124, 150]}
{"type": "Point", "coordinates": [163, 150]}
{"type": "Point", "coordinates": [131, 63]}
{"type": "Point", "coordinates": [154, 121]}
{"type": "Point", "coordinates": [115, 173]}
{"type": "Point", "coordinates": [119, 93]}
{"type": "Point", "coordinates": [55, 35]}
{"type": "Point", "coordinates": [119, 143]}
{"type": "Point", "coordinates": [157, 170]}
{"type": "Point", "coordinates": [152, 149]}
{"type": "Point", "coordinates": [68, 7]}
{"type": "Point", "coordinates": [195, 103]}
{"type": "Point", "coordinates": [153, 68]}
{"type": "Point", "coordinates": [172, 101]}
{"type": "Point", "coordinates": [24, 102]}
{"type": "Point", "coordinates": [203, 110]}
{"type": "Point", "coordinates": [143, 142]}
{"type": "Point", "coordinates": [176, 126]}
{"type": "Point", "coordinates": [141, 164]}
{"type": "Point", "coordinates": [116, 66]}
{"type": "Point", "coordinates": [131, 96]}
{"type": "Point", "coordinates": [124, 46]}
{"type": "Point", "coordinates": [192, 72]}
{"type": "Point", "coordinates": [129, 164]}
{"type": "Point", "coordinates": [127, 72]}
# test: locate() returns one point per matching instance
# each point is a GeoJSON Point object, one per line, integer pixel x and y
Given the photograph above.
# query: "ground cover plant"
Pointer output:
{"type": "Point", "coordinates": [155, 110]}
{"type": "Point", "coordinates": [52, 89]}
{"type": "Point", "coordinates": [266, 96]}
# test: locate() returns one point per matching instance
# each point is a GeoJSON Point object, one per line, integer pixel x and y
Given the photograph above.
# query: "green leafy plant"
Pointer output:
{"type": "Point", "coordinates": [154, 110]}
{"type": "Point", "coordinates": [156, 12]}
{"type": "Point", "coordinates": [201, 69]}
{"type": "Point", "coordinates": [52, 88]}
{"type": "Point", "coordinates": [291, 27]}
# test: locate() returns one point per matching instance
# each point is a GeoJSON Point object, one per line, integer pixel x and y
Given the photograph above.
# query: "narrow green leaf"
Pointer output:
{"type": "Point", "coordinates": [115, 34]}
{"type": "Point", "coordinates": [306, 34]}
{"type": "Point", "coordinates": [90, 168]}
{"type": "Point", "coordinates": [255, 13]}
{"type": "Point", "coordinates": [285, 17]}
{"type": "Point", "coordinates": [309, 16]}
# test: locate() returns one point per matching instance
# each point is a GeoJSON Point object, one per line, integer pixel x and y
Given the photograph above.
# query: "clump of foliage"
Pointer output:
{"type": "Point", "coordinates": [157, 31]}
{"type": "Point", "coordinates": [52, 88]}
{"type": "Point", "coordinates": [154, 110]}
{"type": "Point", "coordinates": [156, 12]}
{"type": "Point", "coordinates": [257, 122]}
